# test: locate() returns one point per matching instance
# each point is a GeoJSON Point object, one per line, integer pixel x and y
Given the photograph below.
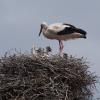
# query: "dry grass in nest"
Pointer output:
{"type": "Point", "coordinates": [25, 77]}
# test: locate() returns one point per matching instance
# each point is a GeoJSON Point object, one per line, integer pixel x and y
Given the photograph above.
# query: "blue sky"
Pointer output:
{"type": "Point", "coordinates": [20, 24]}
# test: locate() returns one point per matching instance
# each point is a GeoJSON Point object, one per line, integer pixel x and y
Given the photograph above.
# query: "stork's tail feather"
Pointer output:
{"type": "Point", "coordinates": [85, 36]}
{"type": "Point", "coordinates": [81, 32]}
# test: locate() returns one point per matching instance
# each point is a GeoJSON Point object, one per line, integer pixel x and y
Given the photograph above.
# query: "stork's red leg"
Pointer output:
{"type": "Point", "coordinates": [61, 46]}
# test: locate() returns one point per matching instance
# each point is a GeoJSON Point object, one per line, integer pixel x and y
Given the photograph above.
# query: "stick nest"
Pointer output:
{"type": "Point", "coordinates": [25, 77]}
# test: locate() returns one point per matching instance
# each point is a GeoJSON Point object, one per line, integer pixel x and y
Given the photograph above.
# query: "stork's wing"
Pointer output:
{"type": "Point", "coordinates": [69, 25]}
{"type": "Point", "coordinates": [68, 29]}
{"type": "Point", "coordinates": [61, 29]}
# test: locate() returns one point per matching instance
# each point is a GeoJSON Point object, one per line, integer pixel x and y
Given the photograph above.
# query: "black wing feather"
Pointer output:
{"type": "Point", "coordinates": [69, 25]}
{"type": "Point", "coordinates": [66, 30]}
{"type": "Point", "coordinates": [71, 29]}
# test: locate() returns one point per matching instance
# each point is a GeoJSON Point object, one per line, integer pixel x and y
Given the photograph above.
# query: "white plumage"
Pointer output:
{"type": "Point", "coordinates": [61, 31]}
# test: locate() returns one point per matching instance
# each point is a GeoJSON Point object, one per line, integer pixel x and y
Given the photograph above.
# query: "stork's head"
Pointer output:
{"type": "Point", "coordinates": [43, 28]}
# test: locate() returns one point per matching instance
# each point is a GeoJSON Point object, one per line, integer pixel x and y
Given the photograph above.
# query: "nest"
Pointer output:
{"type": "Point", "coordinates": [25, 77]}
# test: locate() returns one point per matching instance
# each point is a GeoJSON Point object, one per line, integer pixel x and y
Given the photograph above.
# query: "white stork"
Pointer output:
{"type": "Point", "coordinates": [61, 31]}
